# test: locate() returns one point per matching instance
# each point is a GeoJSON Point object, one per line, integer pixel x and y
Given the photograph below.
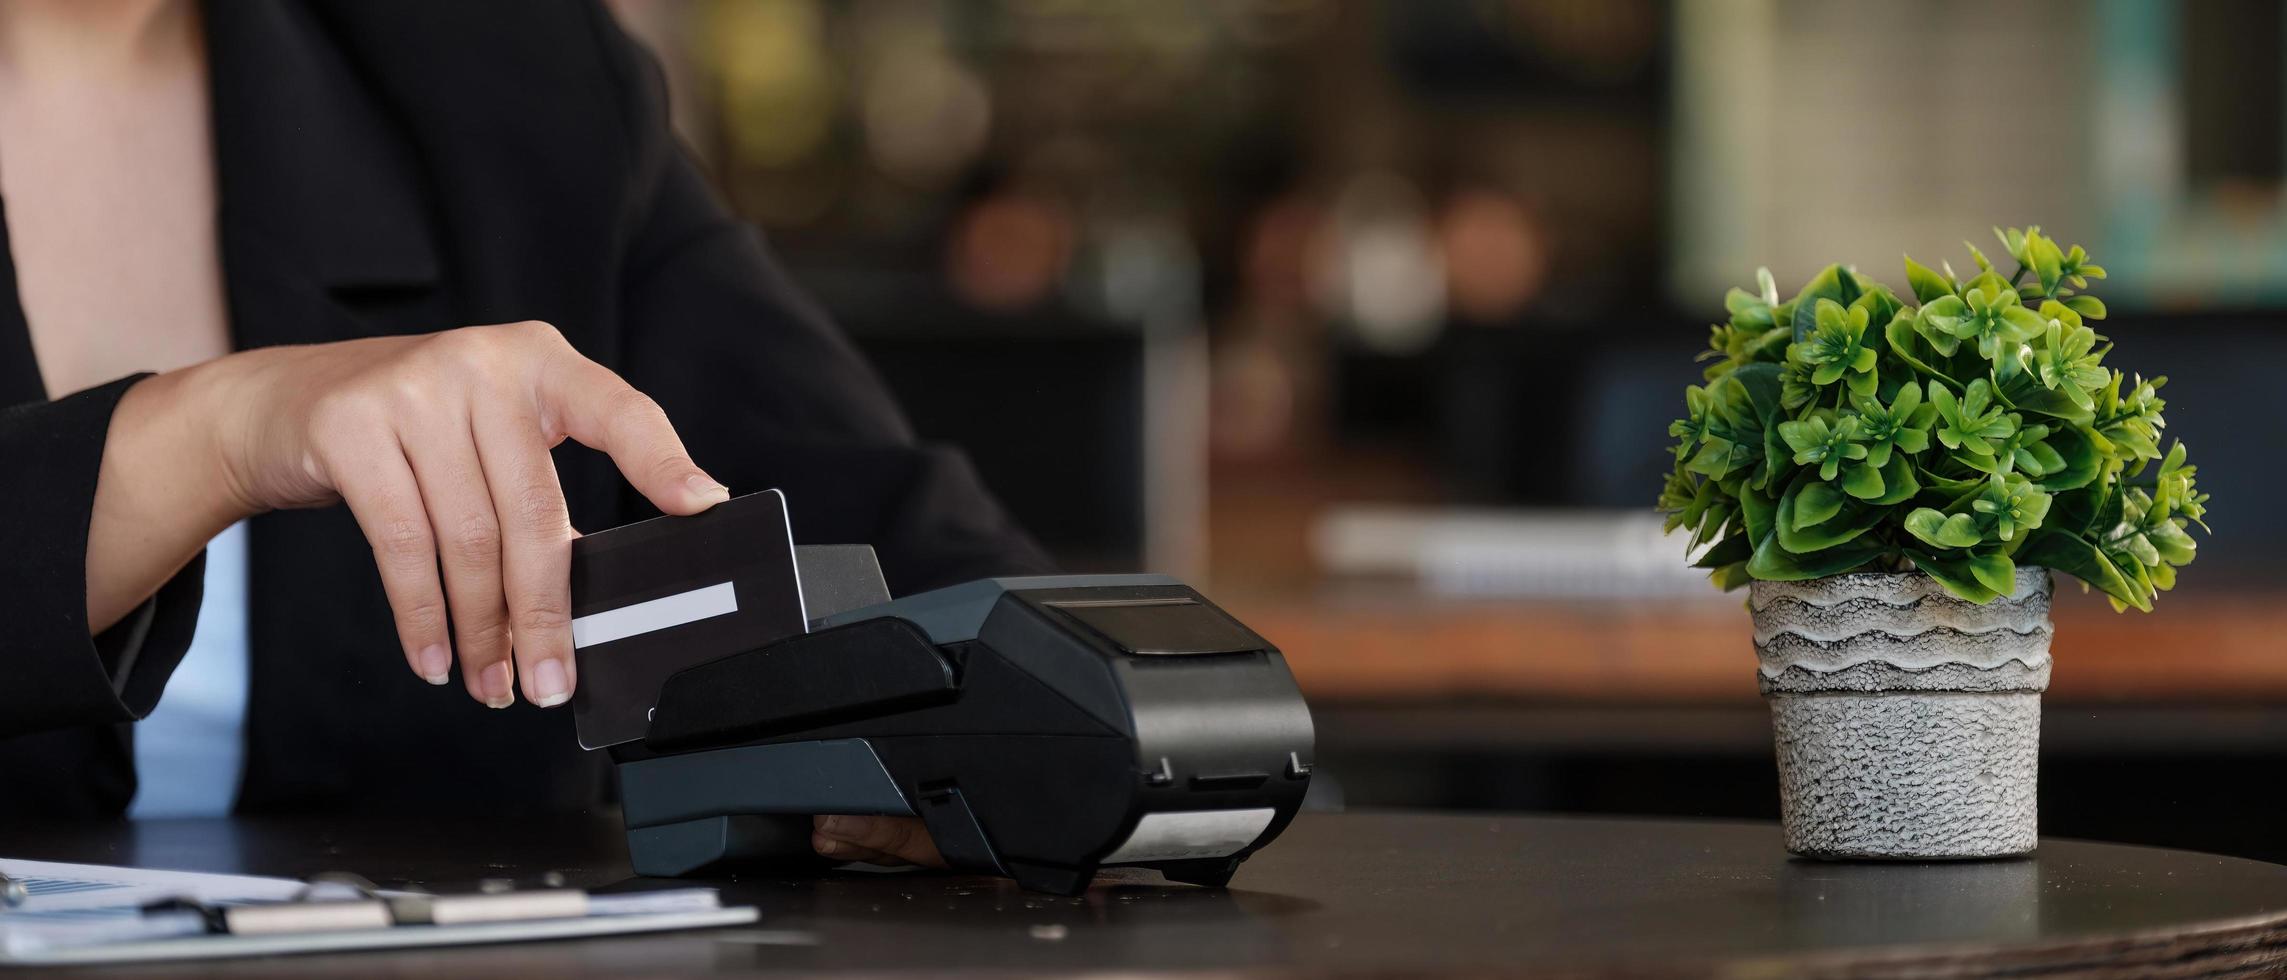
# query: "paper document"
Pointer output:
{"type": "Point", "coordinates": [52, 887]}
{"type": "Point", "coordinates": [70, 905]}
{"type": "Point", "coordinates": [86, 913]}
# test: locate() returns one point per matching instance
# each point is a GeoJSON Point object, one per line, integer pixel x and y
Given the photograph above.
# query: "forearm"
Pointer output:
{"type": "Point", "coordinates": [163, 490]}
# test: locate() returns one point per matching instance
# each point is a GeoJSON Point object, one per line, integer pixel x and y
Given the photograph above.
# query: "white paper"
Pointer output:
{"type": "Point", "coordinates": [90, 913]}
{"type": "Point", "coordinates": [57, 887]}
{"type": "Point", "coordinates": [403, 937]}
{"type": "Point", "coordinates": [1189, 834]}
{"type": "Point", "coordinates": [81, 904]}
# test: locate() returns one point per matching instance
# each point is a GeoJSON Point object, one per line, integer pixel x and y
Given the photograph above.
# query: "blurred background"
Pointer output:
{"type": "Point", "coordinates": [1368, 317]}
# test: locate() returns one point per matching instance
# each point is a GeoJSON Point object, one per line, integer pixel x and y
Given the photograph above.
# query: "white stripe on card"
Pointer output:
{"type": "Point", "coordinates": [654, 615]}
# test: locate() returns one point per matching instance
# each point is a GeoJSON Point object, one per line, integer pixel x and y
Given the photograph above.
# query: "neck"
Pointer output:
{"type": "Point", "coordinates": [74, 38]}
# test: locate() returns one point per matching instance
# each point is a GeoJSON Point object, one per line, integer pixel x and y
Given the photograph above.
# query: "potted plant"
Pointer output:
{"type": "Point", "coordinates": [1894, 478]}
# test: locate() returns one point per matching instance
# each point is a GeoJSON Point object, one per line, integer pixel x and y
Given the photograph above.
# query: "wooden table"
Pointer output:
{"type": "Point", "coordinates": [1389, 892]}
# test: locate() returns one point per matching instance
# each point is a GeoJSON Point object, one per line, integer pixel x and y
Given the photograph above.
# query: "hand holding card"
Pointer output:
{"type": "Point", "coordinates": [653, 598]}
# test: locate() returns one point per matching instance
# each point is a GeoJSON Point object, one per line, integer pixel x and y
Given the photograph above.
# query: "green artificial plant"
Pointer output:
{"type": "Point", "coordinates": [1963, 429]}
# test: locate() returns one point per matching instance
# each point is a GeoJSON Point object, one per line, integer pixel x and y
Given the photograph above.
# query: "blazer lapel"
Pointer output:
{"type": "Point", "coordinates": [327, 234]}
{"type": "Point", "coordinates": [327, 230]}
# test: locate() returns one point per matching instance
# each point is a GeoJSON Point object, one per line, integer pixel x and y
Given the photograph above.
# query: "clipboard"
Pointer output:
{"type": "Point", "coordinates": [205, 947]}
{"type": "Point", "coordinates": [78, 914]}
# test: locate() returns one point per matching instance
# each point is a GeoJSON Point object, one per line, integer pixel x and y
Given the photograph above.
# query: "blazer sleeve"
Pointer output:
{"type": "Point", "coordinates": [767, 392]}
{"type": "Point", "coordinates": [57, 675]}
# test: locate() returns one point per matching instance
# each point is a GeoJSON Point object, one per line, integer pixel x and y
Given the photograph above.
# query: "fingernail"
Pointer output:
{"type": "Point", "coordinates": [549, 686]}
{"type": "Point", "coordinates": [496, 686]}
{"type": "Point", "coordinates": [705, 486]}
{"type": "Point", "coordinates": [833, 826]}
{"type": "Point", "coordinates": [436, 664]}
{"type": "Point", "coordinates": [827, 847]}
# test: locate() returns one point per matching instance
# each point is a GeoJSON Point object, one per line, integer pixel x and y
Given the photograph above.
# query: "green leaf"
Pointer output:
{"type": "Point", "coordinates": [2065, 316]}
{"type": "Point", "coordinates": [1995, 572]}
{"type": "Point", "coordinates": [1804, 435]}
{"type": "Point", "coordinates": [1955, 575]}
{"type": "Point", "coordinates": [1847, 285]}
{"type": "Point", "coordinates": [1982, 462]}
{"type": "Point", "coordinates": [1926, 283]}
{"type": "Point", "coordinates": [1951, 493]}
{"type": "Point", "coordinates": [1898, 482]}
{"type": "Point", "coordinates": [1761, 382]}
{"type": "Point", "coordinates": [2174, 545]}
{"type": "Point", "coordinates": [2025, 394]}
{"type": "Point", "coordinates": [1864, 383]}
{"type": "Point", "coordinates": [2140, 547]}
{"type": "Point", "coordinates": [1776, 564]}
{"type": "Point", "coordinates": [2039, 458]}
{"type": "Point", "coordinates": [1733, 549]}
{"type": "Point", "coordinates": [2074, 511]}
{"type": "Point", "coordinates": [1760, 513]}
{"type": "Point", "coordinates": [2079, 456]}
{"type": "Point", "coordinates": [1978, 257]}
{"type": "Point", "coordinates": [1853, 520]}
{"type": "Point", "coordinates": [1878, 301]}
{"type": "Point", "coordinates": [1935, 528]}
{"type": "Point", "coordinates": [2013, 240]}
{"type": "Point", "coordinates": [1814, 504]}
{"type": "Point", "coordinates": [1863, 482]}
{"type": "Point", "coordinates": [1775, 457]}
{"type": "Point", "coordinates": [2112, 509]}
{"type": "Point", "coordinates": [2047, 262]}
{"type": "Point", "coordinates": [1834, 283]}
{"type": "Point", "coordinates": [1717, 459]}
{"type": "Point", "coordinates": [2139, 578]}
{"type": "Point", "coordinates": [2087, 306]}
{"type": "Point", "coordinates": [2075, 556]}
{"type": "Point", "coordinates": [1902, 335]}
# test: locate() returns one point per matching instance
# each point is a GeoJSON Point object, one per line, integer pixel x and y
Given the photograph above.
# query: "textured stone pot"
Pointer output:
{"type": "Point", "coordinates": [1908, 721]}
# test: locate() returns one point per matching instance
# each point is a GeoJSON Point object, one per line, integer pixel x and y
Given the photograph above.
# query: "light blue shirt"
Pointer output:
{"type": "Point", "coordinates": [190, 749]}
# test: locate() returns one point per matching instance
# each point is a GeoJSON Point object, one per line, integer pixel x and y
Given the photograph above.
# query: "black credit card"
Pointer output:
{"type": "Point", "coordinates": [655, 597]}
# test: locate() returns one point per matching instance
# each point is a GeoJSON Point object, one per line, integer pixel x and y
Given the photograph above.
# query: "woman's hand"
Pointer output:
{"type": "Point", "coordinates": [439, 445]}
{"type": "Point", "coordinates": [875, 840]}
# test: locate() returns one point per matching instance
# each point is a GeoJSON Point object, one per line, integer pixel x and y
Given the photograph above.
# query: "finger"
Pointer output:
{"type": "Point", "coordinates": [601, 411]}
{"type": "Point", "coordinates": [460, 507]}
{"type": "Point", "coordinates": [828, 847]}
{"type": "Point", "coordinates": [905, 838]}
{"type": "Point", "coordinates": [536, 549]}
{"type": "Point", "coordinates": [382, 494]}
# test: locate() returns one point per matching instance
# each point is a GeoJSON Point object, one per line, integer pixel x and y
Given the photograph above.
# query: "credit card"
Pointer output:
{"type": "Point", "coordinates": [655, 597]}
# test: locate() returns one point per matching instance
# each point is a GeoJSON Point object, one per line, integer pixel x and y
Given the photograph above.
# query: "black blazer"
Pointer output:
{"type": "Point", "coordinates": [403, 168]}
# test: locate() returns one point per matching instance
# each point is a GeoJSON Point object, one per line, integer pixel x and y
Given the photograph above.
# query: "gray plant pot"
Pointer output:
{"type": "Point", "coordinates": [1908, 722]}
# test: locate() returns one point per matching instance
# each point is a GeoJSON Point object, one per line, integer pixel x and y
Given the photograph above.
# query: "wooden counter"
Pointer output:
{"type": "Point", "coordinates": [1368, 645]}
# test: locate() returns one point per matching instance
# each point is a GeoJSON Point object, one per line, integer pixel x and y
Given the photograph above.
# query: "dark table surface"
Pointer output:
{"type": "Point", "coordinates": [1380, 892]}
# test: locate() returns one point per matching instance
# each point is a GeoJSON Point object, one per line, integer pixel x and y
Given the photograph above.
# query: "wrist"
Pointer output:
{"type": "Point", "coordinates": [184, 426]}
{"type": "Point", "coordinates": [163, 492]}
